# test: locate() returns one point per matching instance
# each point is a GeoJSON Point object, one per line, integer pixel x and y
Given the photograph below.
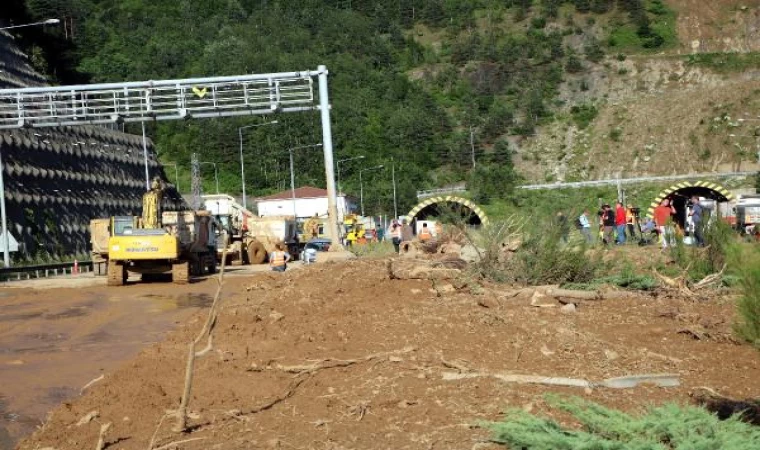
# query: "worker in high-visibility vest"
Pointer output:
{"type": "Point", "coordinates": [425, 234]}
{"type": "Point", "coordinates": [278, 259]}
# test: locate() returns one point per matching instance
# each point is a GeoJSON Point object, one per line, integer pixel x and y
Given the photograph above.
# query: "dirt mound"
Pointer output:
{"type": "Point", "coordinates": [341, 356]}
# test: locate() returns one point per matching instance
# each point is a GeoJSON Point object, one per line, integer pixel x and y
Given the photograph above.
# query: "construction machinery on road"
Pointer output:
{"type": "Point", "coordinates": [250, 239]}
{"type": "Point", "coordinates": [182, 243]}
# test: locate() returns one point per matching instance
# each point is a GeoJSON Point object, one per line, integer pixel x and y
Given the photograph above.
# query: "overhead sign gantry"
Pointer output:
{"type": "Point", "coordinates": [148, 101]}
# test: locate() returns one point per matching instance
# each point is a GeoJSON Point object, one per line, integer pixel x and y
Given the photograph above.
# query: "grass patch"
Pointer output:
{"type": "Point", "coordinates": [372, 249]}
{"type": "Point", "coordinates": [668, 427]}
{"type": "Point", "coordinates": [583, 115]}
{"type": "Point", "coordinates": [725, 62]}
{"type": "Point", "coordinates": [661, 35]}
{"type": "Point", "coordinates": [626, 279]}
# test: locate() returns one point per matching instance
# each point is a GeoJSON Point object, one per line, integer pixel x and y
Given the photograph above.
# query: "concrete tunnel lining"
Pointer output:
{"type": "Point", "coordinates": [428, 206]}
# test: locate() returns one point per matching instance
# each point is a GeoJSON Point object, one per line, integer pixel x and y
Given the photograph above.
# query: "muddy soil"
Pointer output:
{"type": "Point", "coordinates": [54, 341]}
{"type": "Point", "coordinates": [339, 356]}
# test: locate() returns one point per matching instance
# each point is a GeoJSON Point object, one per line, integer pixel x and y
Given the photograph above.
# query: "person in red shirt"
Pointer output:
{"type": "Point", "coordinates": [620, 223]}
{"type": "Point", "coordinates": [661, 217]}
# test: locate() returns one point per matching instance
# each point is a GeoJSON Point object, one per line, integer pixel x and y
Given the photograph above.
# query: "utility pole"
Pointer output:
{"type": "Point", "coordinates": [195, 181]}
{"type": "Point", "coordinates": [293, 185]}
{"type": "Point", "coordinates": [293, 176]}
{"type": "Point", "coordinates": [327, 147]}
{"type": "Point", "coordinates": [6, 238]}
{"type": "Point", "coordinates": [393, 175]}
{"type": "Point", "coordinates": [472, 146]}
{"type": "Point", "coordinates": [242, 163]}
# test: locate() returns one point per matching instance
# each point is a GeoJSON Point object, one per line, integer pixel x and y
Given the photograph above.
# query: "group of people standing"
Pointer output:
{"type": "Point", "coordinates": [615, 225]}
{"type": "Point", "coordinates": [620, 224]}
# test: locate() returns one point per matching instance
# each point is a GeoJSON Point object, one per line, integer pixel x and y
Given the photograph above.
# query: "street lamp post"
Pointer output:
{"type": "Point", "coordinates": [216, 173]}
{"type": "Point", "coordinates": [44, 22]}
{"type": "Point", "coordinates": [338, 168]}
{"type": "Point", "coordinates": [242, 164]}
{"type": "Point", "coordinates": [176, 174]}
{"type": "Point", "coordinates": [293, 175]}
{"type": "Point", "coordinates": [361, 184]}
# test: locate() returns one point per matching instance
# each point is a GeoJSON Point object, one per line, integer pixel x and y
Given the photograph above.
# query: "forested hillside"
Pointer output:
{"type": "Point", "coordinates": [430, 84]}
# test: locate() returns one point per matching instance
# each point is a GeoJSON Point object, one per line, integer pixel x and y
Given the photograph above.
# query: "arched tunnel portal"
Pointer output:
{"type": "Point", "coordinates": [448, 208]}
{"type": "Point", "coordinates": [680, 194]}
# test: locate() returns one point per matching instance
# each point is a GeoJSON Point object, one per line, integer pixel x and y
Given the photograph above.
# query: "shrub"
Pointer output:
{"type": "Point", "coordinates": [490, 241]}
{"type": "Point", "coordinates": [583, 115]}
{"type": "Point", "coordinates": [700, 262]}
{"type": "Point", "coordinates": [542, 259]}
{"type": "Point", "coordinates": [615, 134]}
{"type": "Point", "coordinates": [670, 426]}
{"type": "Point", "coordinates": [746, 265]}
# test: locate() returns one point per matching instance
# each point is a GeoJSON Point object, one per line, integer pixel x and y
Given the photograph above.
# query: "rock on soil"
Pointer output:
{"type": "Point", "coordinates": [356, 361]}
{"type": "Point", "coordinates": [421, 269]}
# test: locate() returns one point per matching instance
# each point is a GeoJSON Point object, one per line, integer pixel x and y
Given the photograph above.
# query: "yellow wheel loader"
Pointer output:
{"type": "Point", "coordinates": [250, 239]}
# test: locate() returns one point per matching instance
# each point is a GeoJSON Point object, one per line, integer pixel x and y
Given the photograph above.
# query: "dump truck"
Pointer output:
{"type": "Point", "coordinates": [250, 239]}
{"type": "Point", "coordinates": [182, 243]}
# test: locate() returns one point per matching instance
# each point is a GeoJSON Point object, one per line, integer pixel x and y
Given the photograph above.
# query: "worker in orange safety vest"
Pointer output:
{"type": "Point", "coordinates": [425, 234]}
{"type": "Point", "coordinates": [278, 259]}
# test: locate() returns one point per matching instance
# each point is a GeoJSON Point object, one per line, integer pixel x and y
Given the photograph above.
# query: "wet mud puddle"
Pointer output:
{"type": "Point", "coordinates": [52, 344]}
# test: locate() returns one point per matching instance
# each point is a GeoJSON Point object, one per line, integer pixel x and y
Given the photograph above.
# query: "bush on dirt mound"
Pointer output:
{"type": "Point", "coordinates": [664, 427]}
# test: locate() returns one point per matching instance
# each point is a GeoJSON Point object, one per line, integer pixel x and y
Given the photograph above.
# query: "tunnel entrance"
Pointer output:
{"type": "Point", "coordinates": [680, 197]}
{"type": "Point", "coordinates": [448, 209]}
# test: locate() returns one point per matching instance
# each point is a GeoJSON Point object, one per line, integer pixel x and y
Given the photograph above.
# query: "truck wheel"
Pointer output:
{"type": "Point", "coordinates": [181, 272]}
{"type": "Point", "coordinates": [211, 264]}
{"type": "Point", "coordinates": [257, 254]}
{"type": "Point", "coordinates": [117, 274]}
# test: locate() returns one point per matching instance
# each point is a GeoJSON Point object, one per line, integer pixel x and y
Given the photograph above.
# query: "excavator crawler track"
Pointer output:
{"type": "Point", "coordinates": [181, 272]}
{"type": "Point", "coordinates": [117, 274]}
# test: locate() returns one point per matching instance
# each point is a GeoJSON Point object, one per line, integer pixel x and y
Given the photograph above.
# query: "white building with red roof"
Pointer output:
{"type": "Point", "coordinates": [309, 201]}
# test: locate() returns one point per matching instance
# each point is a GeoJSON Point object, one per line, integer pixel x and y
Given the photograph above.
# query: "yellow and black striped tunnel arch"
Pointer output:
{"type": "Point", "coordinates": [448, 199]}
{"type": "Point", "coordinates": [707, 189]}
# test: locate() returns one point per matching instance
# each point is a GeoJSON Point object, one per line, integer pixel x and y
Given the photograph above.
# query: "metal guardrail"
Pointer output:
{"type": "Point", "coordinates": [434, 192]}
{"type": "Point", "coordinates": [47, 270]}
{"type": "Point", "coordinates": [615, 181]}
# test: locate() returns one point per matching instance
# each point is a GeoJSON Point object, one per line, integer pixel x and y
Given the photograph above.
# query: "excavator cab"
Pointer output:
{"type": "Point", "coordinates": [123, 225]}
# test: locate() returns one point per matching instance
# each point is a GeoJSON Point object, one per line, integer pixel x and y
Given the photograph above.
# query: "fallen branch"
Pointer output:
{"type": "Point", "coordinates": [576, 295]}
{"type": "Point", "coordinates": [709, 279]}
{"type": "Point", "coordinates": [329, 363]}
{"type": "Point", "coordinates": [455, 365]}
{"type": "Point", "coordinates": [206, 331]}
{"type": "Point", "coordinates": [676, 283]}
{"type": "Point", "coordinates": [102, 436]}
{"type": "Point", "coordinates": [176, 443]}
{"type": "Point", "coordinates": [279, 399]}
{"type": "Point", "coordinates": [93, 381]}
{"type": "Point", "coordinates": [155, 433]}
{"type": "Point", "coordinates": [661, 380]}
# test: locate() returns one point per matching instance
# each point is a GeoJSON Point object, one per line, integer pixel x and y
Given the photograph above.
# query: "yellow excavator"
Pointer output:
{"type": "Point", "coordinates": [182, 243]}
